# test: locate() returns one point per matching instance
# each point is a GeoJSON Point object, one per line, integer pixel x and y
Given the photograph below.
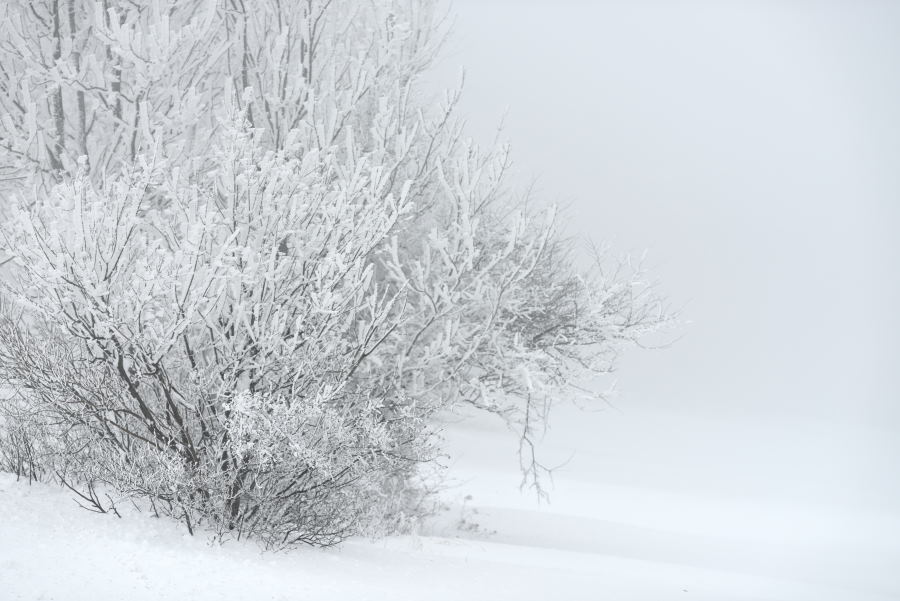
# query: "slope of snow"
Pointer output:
{"type": "Point", "coordinates": [599, 539]}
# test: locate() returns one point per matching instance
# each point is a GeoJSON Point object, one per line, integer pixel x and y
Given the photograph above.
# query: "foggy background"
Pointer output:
{"type": "Point", "coordinates": [753, 149]}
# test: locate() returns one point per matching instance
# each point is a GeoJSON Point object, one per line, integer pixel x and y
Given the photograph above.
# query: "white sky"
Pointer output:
{"type": "Point", "coordinates": [754, 149]}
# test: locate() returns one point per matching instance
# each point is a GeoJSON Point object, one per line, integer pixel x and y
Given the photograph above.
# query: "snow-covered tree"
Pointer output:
{"type": "Point", "coordinates": [250, 263]}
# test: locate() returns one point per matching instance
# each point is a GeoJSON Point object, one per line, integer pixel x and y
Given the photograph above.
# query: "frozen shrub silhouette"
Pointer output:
{"type": "Point", "coordinates": [249, 263]}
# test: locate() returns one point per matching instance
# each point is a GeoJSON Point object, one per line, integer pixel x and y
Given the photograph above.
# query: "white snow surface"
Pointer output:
{"type": "Point", "coordinates": [622, 525]}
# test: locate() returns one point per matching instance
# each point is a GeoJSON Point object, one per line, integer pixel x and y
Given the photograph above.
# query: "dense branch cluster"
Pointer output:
{"type": "Point", "coordinates": [249, 263]}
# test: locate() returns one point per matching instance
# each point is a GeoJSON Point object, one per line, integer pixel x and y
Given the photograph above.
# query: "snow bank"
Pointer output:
{"type": "Point", "coordinates": [597, 540]}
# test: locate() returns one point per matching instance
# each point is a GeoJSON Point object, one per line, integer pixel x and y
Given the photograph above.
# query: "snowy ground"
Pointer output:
{"type": "Point", "coordinates": [670, 521]}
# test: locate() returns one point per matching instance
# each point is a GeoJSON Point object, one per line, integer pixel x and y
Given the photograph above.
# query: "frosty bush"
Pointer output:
{"type": "Point", "coordinates": [250, 264]}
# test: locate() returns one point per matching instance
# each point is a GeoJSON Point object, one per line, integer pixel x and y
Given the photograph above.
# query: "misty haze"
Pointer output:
{"type": "Point", "coordinates": [411, 299]}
